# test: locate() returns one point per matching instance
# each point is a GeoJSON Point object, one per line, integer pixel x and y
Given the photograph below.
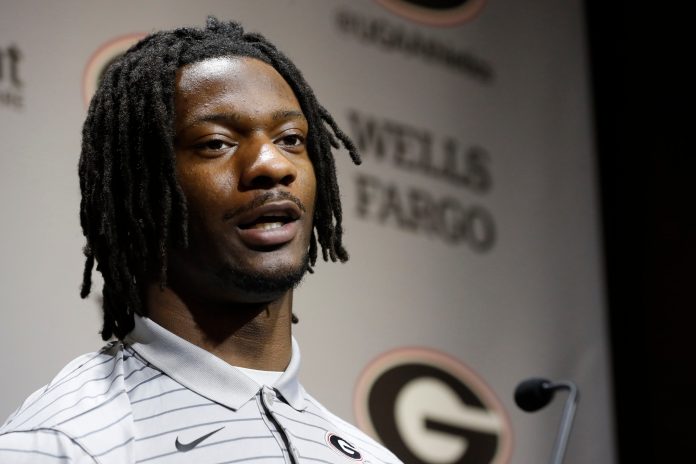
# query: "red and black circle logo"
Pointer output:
{"type": "Point", "coordinates": [105, 54]}
{"type": "Point", "coordinates": [428, 407]}
{"type": "Point", "coordinates": [436, 12]}
{"type": "Point", "coordinates": [343, 447]}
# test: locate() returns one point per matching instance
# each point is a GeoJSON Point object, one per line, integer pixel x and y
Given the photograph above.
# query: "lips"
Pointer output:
{"type": "Point", "coordinates": [269, 225]}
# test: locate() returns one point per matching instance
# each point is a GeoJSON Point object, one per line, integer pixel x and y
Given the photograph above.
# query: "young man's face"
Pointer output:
{"type": "Point", "coordinates": [243, 165]}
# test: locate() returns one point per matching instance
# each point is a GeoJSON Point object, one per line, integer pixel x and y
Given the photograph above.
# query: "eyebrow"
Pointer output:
{"type": "Point", "coordinates": [287, 114]}
{"type": "Point", "coordinates": [227, 118]}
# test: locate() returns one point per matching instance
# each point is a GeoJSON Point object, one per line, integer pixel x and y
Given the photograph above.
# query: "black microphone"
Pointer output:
{"type": "Point", "coordinates": [535, 393]}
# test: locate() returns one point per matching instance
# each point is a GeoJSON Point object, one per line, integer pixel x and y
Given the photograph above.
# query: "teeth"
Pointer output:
{"type": "Point", "coordinates": [268, 225]}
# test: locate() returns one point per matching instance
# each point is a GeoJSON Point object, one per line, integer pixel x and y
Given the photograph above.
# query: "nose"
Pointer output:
{"type": "Point", "coordinates": [265, 166]}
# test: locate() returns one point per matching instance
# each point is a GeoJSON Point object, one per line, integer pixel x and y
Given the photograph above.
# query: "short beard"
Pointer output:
{"type": "Point", "coordinates": [269, 282]}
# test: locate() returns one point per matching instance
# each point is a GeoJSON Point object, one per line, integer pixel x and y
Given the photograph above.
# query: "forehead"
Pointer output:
{"type": "Point", "coordinates": [245, 85]}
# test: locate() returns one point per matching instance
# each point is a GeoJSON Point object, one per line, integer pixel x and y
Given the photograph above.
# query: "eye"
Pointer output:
{"type": "Point", "coordinates": [214, 144]}
{"type": "Point", "coordinates": [291, 140]}
{"type": "Point", "coordinates": [213, 147]}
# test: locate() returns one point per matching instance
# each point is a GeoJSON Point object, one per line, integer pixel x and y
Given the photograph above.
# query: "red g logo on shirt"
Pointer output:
{"type": "Point", "coordinates": [343, 447]}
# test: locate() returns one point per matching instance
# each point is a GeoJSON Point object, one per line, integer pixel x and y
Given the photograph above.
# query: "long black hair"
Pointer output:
{"type": "Point", "coordinates": [133, 209]}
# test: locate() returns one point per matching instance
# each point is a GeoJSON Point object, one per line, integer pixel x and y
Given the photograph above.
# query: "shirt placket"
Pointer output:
{"type": "Point", "coordinates": [269, 401]}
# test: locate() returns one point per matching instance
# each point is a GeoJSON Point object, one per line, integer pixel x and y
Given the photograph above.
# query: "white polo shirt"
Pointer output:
{"type": "Point", "coordinates": [157, 398]}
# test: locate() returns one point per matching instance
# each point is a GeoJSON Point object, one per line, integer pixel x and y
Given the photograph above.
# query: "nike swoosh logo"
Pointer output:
{"type": "Point", "coordinates": [183, 447]}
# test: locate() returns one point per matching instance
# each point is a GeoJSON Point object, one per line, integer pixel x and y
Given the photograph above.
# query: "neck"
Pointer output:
{"type": "Point", "coordinates": [256, 336]}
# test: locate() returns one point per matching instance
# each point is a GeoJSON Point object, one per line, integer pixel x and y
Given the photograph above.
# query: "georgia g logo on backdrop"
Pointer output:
{"type": "Point", "coordinates": [427, 407]}
{"type": "Point", "coordinates": [104, 55]}
{"type": "Point", "coordinates": [435, 12]}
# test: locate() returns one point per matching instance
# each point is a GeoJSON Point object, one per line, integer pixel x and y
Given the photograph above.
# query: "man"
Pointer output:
{"type": "Point", "coordinates": [207, 180]}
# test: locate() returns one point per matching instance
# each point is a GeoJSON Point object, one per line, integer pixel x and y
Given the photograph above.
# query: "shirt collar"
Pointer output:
{"type": "Point", "coordinates": [205, 373]}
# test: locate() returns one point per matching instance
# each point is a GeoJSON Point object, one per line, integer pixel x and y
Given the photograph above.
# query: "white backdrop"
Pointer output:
{"type": "Point", "coordinates": [485, 119]}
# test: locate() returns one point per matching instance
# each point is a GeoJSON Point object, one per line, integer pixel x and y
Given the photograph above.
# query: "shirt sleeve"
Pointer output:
{"type": "Point", "coordinates": [43, 446]}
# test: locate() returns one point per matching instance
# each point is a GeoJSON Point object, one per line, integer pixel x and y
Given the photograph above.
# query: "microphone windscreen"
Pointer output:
{"type": "Point", "coordinates": [533, 394]}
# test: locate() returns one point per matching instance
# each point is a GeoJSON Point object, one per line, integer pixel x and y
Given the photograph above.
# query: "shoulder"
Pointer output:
{"type": "Point", "coordinates": [64, 419]}
{"type": "Point", "coordinates": [350, 433]}
{"type": "Point", "coordinates": [80, 385]}
{"type": "Point", "coordinates": [41, 446]}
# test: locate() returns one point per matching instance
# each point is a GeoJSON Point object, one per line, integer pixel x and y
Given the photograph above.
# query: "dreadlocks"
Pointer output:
{"type": "Point", "coordinates": [133, 209]}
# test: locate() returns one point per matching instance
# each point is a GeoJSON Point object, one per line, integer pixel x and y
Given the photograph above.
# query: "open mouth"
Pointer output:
{"type": "Point", "coordinates": [267, 222]}
{"type": "Point", "coordinates": [269, 225]}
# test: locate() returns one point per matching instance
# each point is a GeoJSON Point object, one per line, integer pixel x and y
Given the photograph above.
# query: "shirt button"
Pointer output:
{"type": "Point", "coordinates": [268, 397]}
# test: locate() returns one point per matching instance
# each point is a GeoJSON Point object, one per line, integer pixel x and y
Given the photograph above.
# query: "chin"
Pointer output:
{"type": "Point", "coordinates": [269, 282]}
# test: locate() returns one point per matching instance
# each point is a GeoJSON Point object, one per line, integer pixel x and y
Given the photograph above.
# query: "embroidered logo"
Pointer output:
{"type": "Point", "coordinates": [183, 447]}
{"type": "Point", "coordinates": [343, 447]}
